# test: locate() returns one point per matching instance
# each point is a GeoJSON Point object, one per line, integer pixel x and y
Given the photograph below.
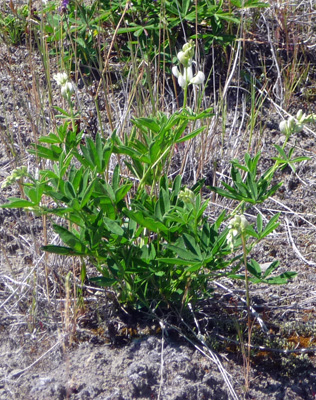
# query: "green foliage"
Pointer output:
{"type": "Point", "coordinates": [249, 189]}
{"type": "Point", "coordinates": [146, 19]}
{"type": "Point", "coordinates": [151, 28]}
{"type": "Point", "coordinates": [148, 236]}
{"type": "Point", "coordinates": [79, 31]}
{"type": "Point", "coordinates": [150, 144]}
{"type": "Point", "coordinates": [13, 25]}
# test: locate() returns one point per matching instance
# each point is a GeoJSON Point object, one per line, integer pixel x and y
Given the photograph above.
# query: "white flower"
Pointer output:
{"type": "Point", "coordinates": [61, 78]}
{"type": "Point", "coordinates": [175, 71]}
{"type": "Point", "coordinates": [283, 126]}
{"type": "Point", "coordinates": [290, 125]}
{"type": "Point", "coordinates": [186, 78]}
{"type": "Point", "coordinates": [198, 79]}
{"type": "Point", "coordinates": [67, 88]}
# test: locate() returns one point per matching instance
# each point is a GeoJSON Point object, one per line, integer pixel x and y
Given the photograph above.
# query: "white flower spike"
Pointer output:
{"type": "Point", "coordinates": [67, 88]}
{"type": "Point", "coordinates": [186, 77]}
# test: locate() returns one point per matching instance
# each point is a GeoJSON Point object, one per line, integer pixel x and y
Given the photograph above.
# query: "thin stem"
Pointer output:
{"type": "Point", "coordinates": [247, 361]}
{"type": "Point", "coordinates": [185, 98]}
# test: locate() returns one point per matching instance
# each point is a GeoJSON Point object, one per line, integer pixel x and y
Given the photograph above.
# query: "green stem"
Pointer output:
{"type": "Point", "coordinates": [243, 239]}
{"type": "Point", "coordinates": [185, 98]}
{"type": "Point", "coordinates": [72, 117]}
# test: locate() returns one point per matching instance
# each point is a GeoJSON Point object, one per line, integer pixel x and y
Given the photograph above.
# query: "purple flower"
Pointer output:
{"type": "Point", "coordinates": [63, 6]}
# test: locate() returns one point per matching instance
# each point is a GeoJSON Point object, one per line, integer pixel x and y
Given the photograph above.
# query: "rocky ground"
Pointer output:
{"type": "Point", "coordinates": [53, 346]}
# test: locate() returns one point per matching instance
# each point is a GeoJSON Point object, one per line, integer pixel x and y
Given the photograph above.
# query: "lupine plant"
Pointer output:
{"type": "Point", "coordinates": [147, 235]}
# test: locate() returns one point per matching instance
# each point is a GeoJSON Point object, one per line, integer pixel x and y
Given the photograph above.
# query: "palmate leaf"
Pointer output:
{"type": "Point", "coordinates": [272, 191]}
{"type": "Point", "coordinates": [253, 187]}
{"type": "Point", "coordinates": [232, 194]}
{"type": "Point", "coordinates": [192, 246]}
{"type": "Point", "coordinates": [185, 255]}
{"type": "Point", "coordinates": [122, 191]}
{"type": "Point", "coordinates": [281, 279]}
{"type": "Point", "coordinates": [259, 223]}
{"type": "Point", "coordinates": [135, 155]}
{"type": "Point", "coordinates": [254, 268]}
{"type": "Point", "coordinates": [87, 194]}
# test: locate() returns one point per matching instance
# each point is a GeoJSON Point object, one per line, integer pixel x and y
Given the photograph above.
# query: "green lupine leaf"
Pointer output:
{"type": "Point", "coordinates": [254, 268]}
{"type": "Point", "coordinates": [122, 191]}
{"type": "Point", "coordinates": [191, 245]}
{"type": "Point", "coordinates": [103, 281]}
{"type": "Point", "coordinates": [62, 111]}
{"type": "Point", "coordinates": [148, 123]}
{"type": "Point", "coordinates": [61, 250]}
{"type": "Point", "coordinates": [51, 138]}
{"type": "Point", "coordinates": [70, 239]}
{"type": "Point", "coordinates": [299, 159]}
{"type": "Point", "coordinates": [75, 177]}
{"type": "Point", "coordinates": [176, 261]}
{"type": "Point", "coordinates": [87, 194]}
{"type": "Point", "coordinates": [113, 226]}
{"type": "Point", "coordinates": [183, 253]}
{"type": "Point", "coordinates": [259, 223]}
{"type": "Point", "coordinates": [274, 265]}
{"type": "Point", "coordinates": [51, 153]}
{"type": "Point", "coordinates": [281, 279]}
{"type": "Point", "coordinates": [191, 135]}
{"type": "Point", "coordinates": [15, 202]}
{"type": "Point", "coordinates": [116, 178]}
{"type": "Point", "coordinates": [69, 190]}
{"type": "Point", "coordinates": [281, 151]}
{"type": "Point", "coordinates": [250, 231]}
{"type": "Point", "coordinates": [146, 222]}
{"type": "Point", "coordinates": [271, 226]}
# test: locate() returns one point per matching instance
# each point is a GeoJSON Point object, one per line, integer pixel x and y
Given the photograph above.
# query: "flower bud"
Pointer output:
{"type": "Point", "coordinates": [236, 226]}
{"type": "Point", "coordinates": [185, 56]}
{"type": "Point", "coordinates": [299, 115]}
{"type": "Point", "coordinates": [187, 196]}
